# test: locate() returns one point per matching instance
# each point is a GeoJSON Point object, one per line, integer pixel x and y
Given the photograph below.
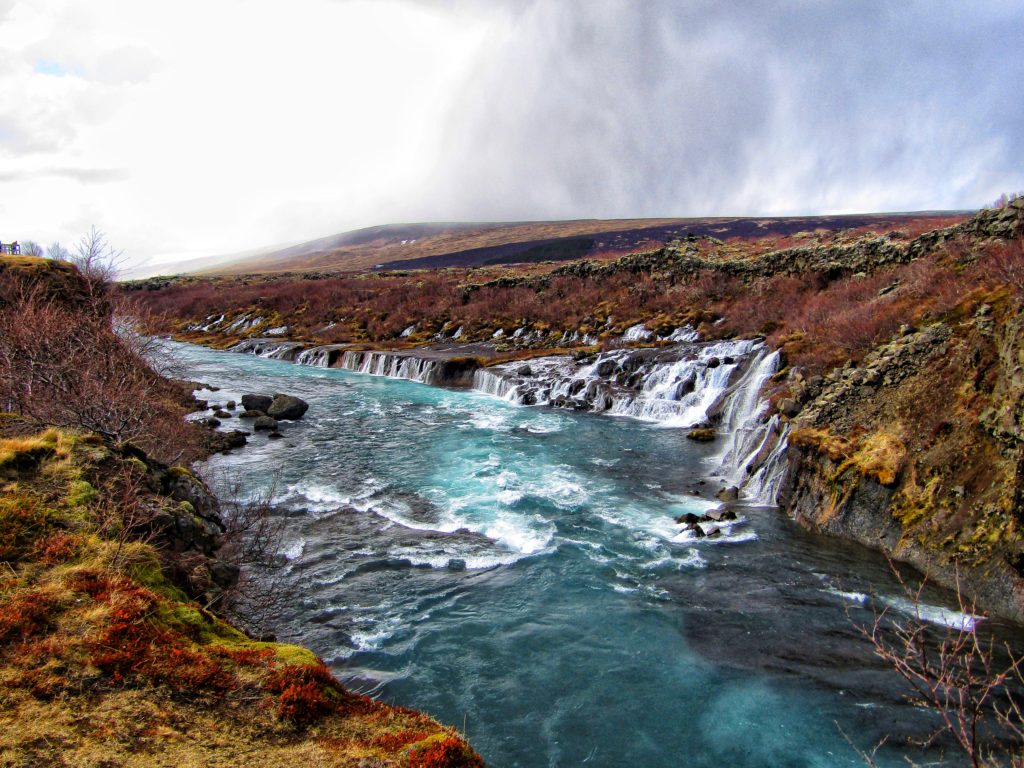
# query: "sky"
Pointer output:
{"type": "Point", "coordinates": [206, 127]}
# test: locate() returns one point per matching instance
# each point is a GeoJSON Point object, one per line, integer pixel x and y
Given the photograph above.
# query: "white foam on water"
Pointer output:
{"type": "Point", "coordinates": [294, 549]}
{"type": "Point", "coordinates": [853, 597]}
{"type": "Point", "coordinates": [934, 614]}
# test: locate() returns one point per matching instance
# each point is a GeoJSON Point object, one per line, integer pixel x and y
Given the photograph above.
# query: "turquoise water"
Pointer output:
{"type": "Point", "coordinates": [517, 572]}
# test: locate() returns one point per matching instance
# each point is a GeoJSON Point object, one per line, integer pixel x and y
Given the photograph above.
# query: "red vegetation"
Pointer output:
{"type": "Point", "coordinates": [58, 547]}
{"type": "Point", "coordinates": [132, 646]}
{"type": "Point", "coordinates": [26, 614]}
{"type": "Point", "coordinates": [305, 693]}
{"type": "Point", "coordinates": [445, 753]}
{"type": "Point", "coordinates": [392, 742]}
{"type": "Point", "coordinates": [63, 364]}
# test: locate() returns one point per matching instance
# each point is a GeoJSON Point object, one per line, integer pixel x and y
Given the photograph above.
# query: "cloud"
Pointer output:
{"type": "Point", "coordinates": [202, 128]}
{"type": "Point", "coordinates": [614, 108]}
{"type": "Point", "coordinates": [81, 175]}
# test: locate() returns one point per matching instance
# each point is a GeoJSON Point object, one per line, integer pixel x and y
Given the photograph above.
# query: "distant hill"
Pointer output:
{"type": "Point", "coordinates": [436, 245]}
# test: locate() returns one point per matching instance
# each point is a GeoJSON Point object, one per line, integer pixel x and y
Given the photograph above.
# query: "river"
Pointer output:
{"type": "Point", "coordinates": [517, 572]}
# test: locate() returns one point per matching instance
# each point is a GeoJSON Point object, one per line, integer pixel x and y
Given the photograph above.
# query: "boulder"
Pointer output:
{"type": "Point", "coordinates": [265, 424]}
{"type": "Point", "coordinates": [701, 434]}
{"type": "Point", "coordinates": [220, 413]}
{"type": "Point", "coordinates": [689, 519]}
{"type": "Point", "coordinates": [275, 435]}
{"type": "Point", "coordinates": [525, 371]}
{"type": "Point", "coordinates": [788, 407]}
{"type": "Point", "coordinates": [287, 407]}
{"type": "Point", "coordinates": [728, 494]}
{"type": "Point", "coordinates": [231, 405]}
{"type": "Point", "coordinates": [251, 414]}
{"type": "Point", "coordinates": [697, 530]}
{"type": "Point", "coordinates": [714, 533]}
{"type": "Point", "coordinates": [714, 362]}
{"type": "Point", "coordinates": [212, 423]}
{"type": "Point", "coordinates": [257, 402]}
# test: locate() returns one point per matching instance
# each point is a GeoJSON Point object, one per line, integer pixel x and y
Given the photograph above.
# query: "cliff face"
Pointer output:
{"type": "Point", "coordinates": [918, 451]}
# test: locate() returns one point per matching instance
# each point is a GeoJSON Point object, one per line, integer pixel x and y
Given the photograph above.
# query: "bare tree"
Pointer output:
{"type": "Point", "coordinates": [96, 258]}
{"type": "Point", "coordinates": [58, 252]}
{"type": "Point", "coordinates": [973, 684]}
{"type": "Point", "coordinates": [31, 248]}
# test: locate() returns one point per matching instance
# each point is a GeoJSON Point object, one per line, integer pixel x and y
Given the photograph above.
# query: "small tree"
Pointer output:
{"type": "Point", "coordinates": [58, 252]}
{"type": "Point", "coordinates": [31, 248]}
{"type": "Point", "coordinates": [96, 258]}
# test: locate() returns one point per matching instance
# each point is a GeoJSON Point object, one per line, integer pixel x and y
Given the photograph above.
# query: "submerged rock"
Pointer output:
{"type": "Point", "coordinates": [265, 424]}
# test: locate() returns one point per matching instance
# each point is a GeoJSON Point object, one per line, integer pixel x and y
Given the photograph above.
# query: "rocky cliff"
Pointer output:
{"type": "Point", "coordinates": [918, 450]}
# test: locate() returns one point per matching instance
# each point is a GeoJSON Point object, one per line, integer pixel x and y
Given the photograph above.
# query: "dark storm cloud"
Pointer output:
{"type": "Point", "coordinates": [661, 107]}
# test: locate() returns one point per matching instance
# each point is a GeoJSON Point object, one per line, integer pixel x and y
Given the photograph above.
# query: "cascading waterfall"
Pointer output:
{"type": "Point", "coordinates": [423, 370]}
{"type": "Point", "coordinates": [689, 383]}
{"type": "Point", "coordinates": [273, 349]}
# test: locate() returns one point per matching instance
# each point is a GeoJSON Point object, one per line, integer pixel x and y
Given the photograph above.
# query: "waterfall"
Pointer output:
{"type": "Point", "coordinates": [393, 365]}
{"type": "Point", "coordinates": [686, 383]}
{"type": "Point", "coordinates": [274, 349]}
{"type": "Point", "coordinates": [753, 457]}
{"type": "Point", "coordinates": [320, 357]}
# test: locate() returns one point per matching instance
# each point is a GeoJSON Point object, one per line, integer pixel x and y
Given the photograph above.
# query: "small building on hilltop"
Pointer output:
{"type": "Point", "coordinates": [12, 249]}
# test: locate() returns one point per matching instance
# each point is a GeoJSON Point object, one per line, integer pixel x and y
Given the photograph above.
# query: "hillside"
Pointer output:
{"type": "Point", "coordinates": [119, 572]}
{"type": "Point", "coordinates": [422, 246]}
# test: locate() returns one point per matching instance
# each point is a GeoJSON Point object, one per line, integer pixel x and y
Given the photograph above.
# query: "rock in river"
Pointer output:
{"type": "Point", "coordinates": [287, 407]}
{"type": "Point", "coordinates": [256, 402]}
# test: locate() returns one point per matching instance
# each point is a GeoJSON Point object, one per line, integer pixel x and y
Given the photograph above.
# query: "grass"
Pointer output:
{"type": "Point", "coordinates": [105, 661]}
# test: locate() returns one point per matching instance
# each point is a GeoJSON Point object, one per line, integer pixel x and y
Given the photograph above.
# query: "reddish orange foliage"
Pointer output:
{"type": "Point", "coordinates": [447, 753]}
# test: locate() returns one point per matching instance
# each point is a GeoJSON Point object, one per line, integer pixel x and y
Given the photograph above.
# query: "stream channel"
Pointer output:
{"type": "Point", "coordinates": [517, 572]}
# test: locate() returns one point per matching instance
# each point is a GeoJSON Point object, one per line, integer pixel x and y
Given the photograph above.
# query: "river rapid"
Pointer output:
{"type": "Point", "coordinates": [517, 572]}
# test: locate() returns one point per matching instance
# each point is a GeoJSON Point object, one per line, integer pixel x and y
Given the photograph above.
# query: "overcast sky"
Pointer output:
{"type": "Point", "coordinates": [203, 127]}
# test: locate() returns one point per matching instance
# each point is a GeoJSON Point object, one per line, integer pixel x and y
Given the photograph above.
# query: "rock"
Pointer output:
{"type": "Point", "coordinates": [606, 368]}
{"type": "Point", "coordinates": [230, 405]}
{"type": "Point", "coordinates": [689, 519]}
{"type": "Point", "coordinates": [715, 515]}
{"type": "Point", "coordinates": [714, 533]}
{"type": "Point", "coordinates": [728, 514]}
{"type": "Point", "coordinates": [251, 414]}
{"type": "Point", "coordinates": [714, 362]}
{"type": "Point", "coordinates": [701, 434]}
{"type": "Point", "coordinates": [525, 371]}
{"type": "Point", "coordinates": [265, 424]}
{"type": "Point", "coordinates": [257, 402]}
{"type": "Point", "coordinates": [220, 413]}
{"type": "Point", "coordinates": [787, 406]}
{"type": "Point", "coordinates": [212, 423]}
{"type": "Point", "coordinates": [728, 494]}
{"type": "Point", "coordinates": [697, 530]}
{"type": "Point", "coordinates": [275, 435]}
{"type": "Point", "coordinates": [287, 407]}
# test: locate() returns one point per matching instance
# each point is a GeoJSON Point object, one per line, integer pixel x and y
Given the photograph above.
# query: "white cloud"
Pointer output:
{"type": "Point", "coordinates": [198, 128]}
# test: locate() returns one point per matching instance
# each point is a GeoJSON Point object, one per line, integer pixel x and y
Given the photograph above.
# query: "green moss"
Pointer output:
{"type": "Point", "coordinates": [186, 507]}
{"type": "Point", "coordinates": [81, 493]}
{"type": "Point", "coordinates": [292, 654]}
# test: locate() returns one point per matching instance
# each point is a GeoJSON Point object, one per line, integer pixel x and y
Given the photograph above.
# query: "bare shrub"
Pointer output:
{"type": "Point", "coordinates": [970, 682]}
{"type": "Point", "coordinates": [253, 544]}
{"type": "Point", "coordinates": [62, 367]}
